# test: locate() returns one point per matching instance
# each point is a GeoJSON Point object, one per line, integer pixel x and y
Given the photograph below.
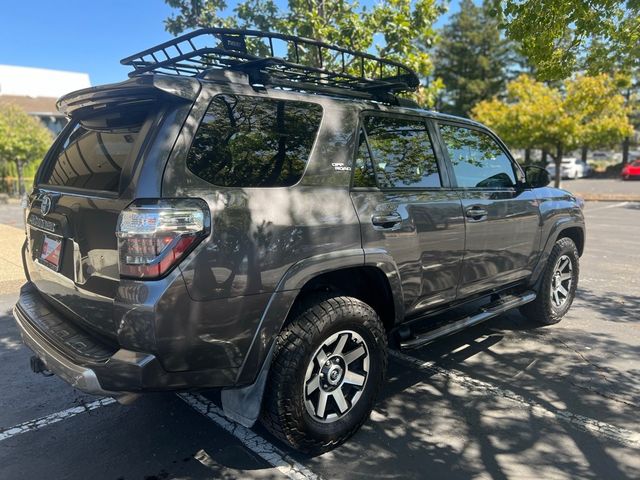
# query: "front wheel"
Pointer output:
{"type": "Point", "coordinates": [328, 368]}
{"type": "Point", "coordinates": [558, 285]}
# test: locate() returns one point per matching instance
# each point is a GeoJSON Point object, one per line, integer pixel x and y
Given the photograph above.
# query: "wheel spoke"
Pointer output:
{"type": "Point", "coordinates": [563, 290]}
{"type": "Point", "coordinates": [322, 403]}
{"type": "Point", "coordinates": [563, 264]}
{"type": "Point", "coordinates": [566, 276]}
{"type": "Point", "coordinates": [341, 343]}
{"type": "Point", "coordinates": [338, 396]}
{"type": "Point", "coordinates": [313, 384]}
{"type": "Point", "coordinates": [354, 355]}
{"type": "Point", "coordinates": [556, 298]}
{"type": "Point", "coordinates": [321, 357]}
{"type": "Point", "coordinates": [354, 378]}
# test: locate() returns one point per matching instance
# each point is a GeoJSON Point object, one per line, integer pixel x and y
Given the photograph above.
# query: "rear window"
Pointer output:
{"type": "Point", "coordinates": [95, 150]}
{"type": "Point", "coordinates": [254, 142]}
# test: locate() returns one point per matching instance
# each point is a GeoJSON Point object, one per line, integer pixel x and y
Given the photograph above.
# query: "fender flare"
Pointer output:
{"type": "Point", "coordinates": [559, 226]}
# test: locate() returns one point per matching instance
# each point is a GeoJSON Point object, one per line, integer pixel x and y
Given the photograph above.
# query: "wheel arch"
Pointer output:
{"type": "Point", "coordinates": [564, 228]}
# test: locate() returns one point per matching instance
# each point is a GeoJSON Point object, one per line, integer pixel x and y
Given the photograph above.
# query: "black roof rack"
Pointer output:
{"type": "Point", "coordinates": [278, 60]}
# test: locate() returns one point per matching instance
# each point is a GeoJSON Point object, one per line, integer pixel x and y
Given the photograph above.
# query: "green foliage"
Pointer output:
{"type": "Point", "coordinates": [405, 27]}
{"type": "Point", "coordinates": [472, 58]}
{"type": "Point", "coordinates": [560, 37]}
{"type": "Point", "coordinates": [23, 139]}
{"type": "Point", "coordinates": [588, 111]}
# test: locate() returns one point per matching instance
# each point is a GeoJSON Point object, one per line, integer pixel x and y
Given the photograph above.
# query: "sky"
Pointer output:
{"type": "Point", "coordinates": [89, 36]}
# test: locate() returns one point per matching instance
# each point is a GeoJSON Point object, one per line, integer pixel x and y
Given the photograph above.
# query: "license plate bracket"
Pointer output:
{"type": "Point", "coordinates": [51, 252]}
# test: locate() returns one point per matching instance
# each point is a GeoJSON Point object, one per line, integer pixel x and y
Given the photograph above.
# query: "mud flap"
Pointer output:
{"type": "Point", "coordinates": [243, 405]}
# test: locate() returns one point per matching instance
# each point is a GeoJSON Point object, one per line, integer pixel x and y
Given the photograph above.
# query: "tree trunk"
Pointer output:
{"type": "Point", "coordinates": [625, 150]}
{"type": "Point", "coordinates": [20, 168]}
{"type": "Point", "coordinates": [558, 160]}
{"type": "Point", "coordinates": [627, 140]}
{"type": "Point", "coordinates": [543, 159]}
{"type": "Point", "coordinates": [585, 150]}
{"type": "Point", "coordinates": [527, 156]}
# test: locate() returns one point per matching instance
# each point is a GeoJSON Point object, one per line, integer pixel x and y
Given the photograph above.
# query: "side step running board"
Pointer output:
{"type": "Point", "coordinates": [492, 310]}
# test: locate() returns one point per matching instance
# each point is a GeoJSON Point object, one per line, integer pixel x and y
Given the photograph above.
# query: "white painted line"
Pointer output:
{"type": "Point", "coordinates": [254, 442]}
{"type": "Point", "coordinates": [38, 423]}
{"type": "Point", "coordinates": [586, 424]}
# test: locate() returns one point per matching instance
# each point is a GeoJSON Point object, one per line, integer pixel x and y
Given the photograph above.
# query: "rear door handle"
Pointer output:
{"type": "Point", "coordinates": [476, 213]}
{"type": "Point", "coordinates": [389, 220]}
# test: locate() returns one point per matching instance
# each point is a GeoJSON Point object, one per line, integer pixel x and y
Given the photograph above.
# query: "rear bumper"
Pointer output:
{"type": "Point", "coordinates": [90, 365]}
{"type": "Point", "coordinates": [77, 376]}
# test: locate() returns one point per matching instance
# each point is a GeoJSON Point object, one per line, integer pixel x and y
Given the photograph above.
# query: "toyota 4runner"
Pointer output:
{"type": "Point", "coordinates": [262, 214]}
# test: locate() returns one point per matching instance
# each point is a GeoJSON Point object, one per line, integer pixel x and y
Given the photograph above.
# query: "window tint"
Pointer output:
{"type": "Point", "coordinates": [402, 153]}
{"type": "Point", "coordinates": [254, 142]}
{"type": "Point", "coordinates": [95, 150]}
{"type": "Point", "coordinates": [478, 161]}
{"type": "Point", "coordinates": [363, 174]}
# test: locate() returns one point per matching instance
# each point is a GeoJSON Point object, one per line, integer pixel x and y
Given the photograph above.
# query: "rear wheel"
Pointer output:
{"type": "Point", "coordinates": [558, 286]}
{"type": "Point", "coordinates": [328, 368]}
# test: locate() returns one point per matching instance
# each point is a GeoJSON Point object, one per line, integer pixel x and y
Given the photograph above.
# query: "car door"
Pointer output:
{"type": "Point", "coordinates": [401, 194]}
{"type": "Point", "coordinates": [502, 219]}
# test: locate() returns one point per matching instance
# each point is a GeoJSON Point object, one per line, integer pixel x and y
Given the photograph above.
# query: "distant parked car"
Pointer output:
{"type": "Point", "coordinates": [602, 156]}
{"type": "Point", "coordinates": [631, 171]}
{"type": "Point", "coordinates": [570, 168]}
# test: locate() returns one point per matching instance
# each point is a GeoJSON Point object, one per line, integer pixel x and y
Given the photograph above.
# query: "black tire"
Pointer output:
{"type": "Point", "coordinates": [543, 309]}
{"type": "Point", "coordinates": [284, 412]}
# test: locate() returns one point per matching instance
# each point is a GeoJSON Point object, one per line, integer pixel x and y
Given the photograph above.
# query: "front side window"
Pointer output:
{"type": "Point", "coordinates": [401, 156]}
{"type": "Point", "coordinates": [254, 142]}
{"type": "Point", "coordinates": [478, 161]}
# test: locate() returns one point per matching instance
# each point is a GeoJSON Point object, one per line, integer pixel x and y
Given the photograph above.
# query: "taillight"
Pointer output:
{"type": "Point", "coordinates": [155, 235]}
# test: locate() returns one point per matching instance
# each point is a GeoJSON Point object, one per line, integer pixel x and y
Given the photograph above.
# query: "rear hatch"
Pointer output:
{"type": "Point", "coordinates": [88, 177]}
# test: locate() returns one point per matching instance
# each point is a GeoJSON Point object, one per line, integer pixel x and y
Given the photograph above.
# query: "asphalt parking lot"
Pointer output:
{"type": "Point", "coordinates": [502, 400]}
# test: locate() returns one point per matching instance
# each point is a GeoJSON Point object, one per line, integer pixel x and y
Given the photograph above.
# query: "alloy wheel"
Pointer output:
{"type": "Point", "coordinates": [561, 281]}
{"type": "Point", "coordinates": [336, 376]}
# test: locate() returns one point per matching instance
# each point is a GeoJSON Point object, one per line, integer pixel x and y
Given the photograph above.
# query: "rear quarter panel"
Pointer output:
{"type": "Point", "coordinates": [259, 233]}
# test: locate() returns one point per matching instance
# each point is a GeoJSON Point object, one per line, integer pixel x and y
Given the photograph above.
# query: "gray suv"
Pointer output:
{"type": "Point", "coordinates": [262, 214]}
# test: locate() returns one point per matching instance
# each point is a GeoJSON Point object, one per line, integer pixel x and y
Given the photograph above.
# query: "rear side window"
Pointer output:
{"type": "Point", "coordinates": [477, 160]}
{"type": "Point", "coordinates": [254, 142]}
{"type": "Point", "coordinates": [399, 155]}
{"type": "Point", "coordinates": [94, 151]}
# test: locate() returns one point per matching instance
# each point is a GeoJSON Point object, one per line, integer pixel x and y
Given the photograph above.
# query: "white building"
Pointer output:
{"type": "Point", "coordinates": [36, 90]}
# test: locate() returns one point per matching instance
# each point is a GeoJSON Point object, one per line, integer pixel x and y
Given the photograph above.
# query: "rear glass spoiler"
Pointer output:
{"type": "Point", "coordinates": [84, 102]}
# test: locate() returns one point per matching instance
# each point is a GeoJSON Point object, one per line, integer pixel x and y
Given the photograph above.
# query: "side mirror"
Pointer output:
{"type": "Point", "coordinates": [536, 177]}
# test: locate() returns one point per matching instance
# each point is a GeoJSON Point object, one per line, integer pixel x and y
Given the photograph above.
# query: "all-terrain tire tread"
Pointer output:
{"type": "Point", "coordinates": [279, 414]}
{"type": "Point", "coordinates": [540, 310]}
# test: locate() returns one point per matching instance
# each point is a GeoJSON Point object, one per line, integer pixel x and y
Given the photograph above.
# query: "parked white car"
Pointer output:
{"type": "Point", "coordinates": [570, 168]}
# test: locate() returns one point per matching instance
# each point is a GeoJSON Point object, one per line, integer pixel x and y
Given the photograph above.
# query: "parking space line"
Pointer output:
{"type": "Point", "coordinates": [601, 429]}
{"type": "Point", "coordinates": [38, 423]}
{"type": "Point", "coordinates": [251, 440]}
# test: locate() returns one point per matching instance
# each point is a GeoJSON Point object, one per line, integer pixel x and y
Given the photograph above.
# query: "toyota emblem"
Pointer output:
{"type": "Point", "coordinates": [45, 205]}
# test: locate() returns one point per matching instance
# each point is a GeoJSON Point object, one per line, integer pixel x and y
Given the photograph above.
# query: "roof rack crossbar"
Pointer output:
{"type": "Point", "coordinates": [298, 62]}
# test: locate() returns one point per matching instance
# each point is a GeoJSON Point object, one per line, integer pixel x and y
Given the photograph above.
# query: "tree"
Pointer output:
{"type": "Point", "coordinates": [472, 58]}
{"type": "Point", "coordinates": [560, 37]}
{"type": "Point", "coordinates": [404, 27]}
{"type": "Point", "coordinates": [601, 111]}
{"type": "Point", "coordinates": [587, 111]}
{"type": "Point", "coordinates": [23, 139]}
